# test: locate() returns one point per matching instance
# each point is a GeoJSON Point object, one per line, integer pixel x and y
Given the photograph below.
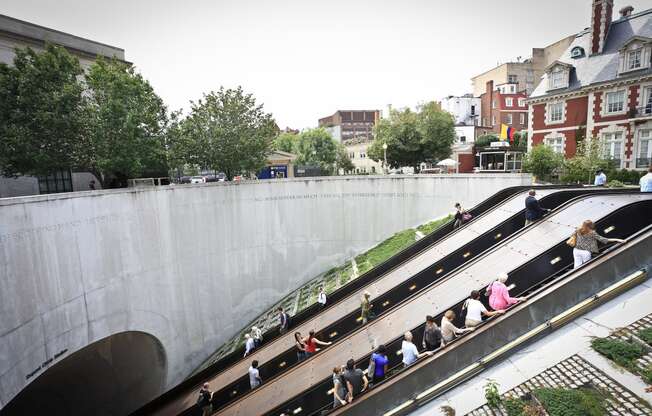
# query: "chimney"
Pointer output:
{"type": "Point", "coordinates": [626, 11]}
{"type": "Point", "coordinates": [600, 20]}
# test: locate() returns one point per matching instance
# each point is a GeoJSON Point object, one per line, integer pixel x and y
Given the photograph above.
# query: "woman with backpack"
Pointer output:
{"type": "Point", "coordinates": [498, 293]}
{"type": "Point", "coordinates": [585, 243]}
{"type": "Point", "coordinates": [461, 216]}
{"type": "Point", "coordinates": [378, 363]}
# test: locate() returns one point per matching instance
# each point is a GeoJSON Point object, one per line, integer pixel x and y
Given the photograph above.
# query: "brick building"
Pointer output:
{"type": "Point", "coordinates": [504, 104]}
{"type": "Point", "coordinates": [600, 88]}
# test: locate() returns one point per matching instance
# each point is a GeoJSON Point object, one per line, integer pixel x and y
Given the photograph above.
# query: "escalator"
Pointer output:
{"type": "Point", "coordinates": [513, 254]}
{"type": "Point", "coordinates": [445, 249]}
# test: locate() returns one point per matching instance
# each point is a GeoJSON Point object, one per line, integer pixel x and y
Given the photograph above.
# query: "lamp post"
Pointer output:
{"type": "Point", "coordinates": [385, 157]}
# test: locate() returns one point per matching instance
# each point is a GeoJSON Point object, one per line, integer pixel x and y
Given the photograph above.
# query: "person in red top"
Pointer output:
{"type": "Point", "coordinates": [312, 342]}
{"type": "Point", "coordinates": [498, 292]}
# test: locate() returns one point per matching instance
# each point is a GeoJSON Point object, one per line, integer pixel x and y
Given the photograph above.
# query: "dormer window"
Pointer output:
{"type": "Point", "coordinates": [577, 52]}
{"type": "Point", "coordinates": [558, 75]}
{"type": "Point", "coordinates": [635, 54]}
{"type": "Point", "coordinates": [557, 79]}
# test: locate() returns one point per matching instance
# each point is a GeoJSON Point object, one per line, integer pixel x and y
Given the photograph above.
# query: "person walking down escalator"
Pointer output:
{"type": "Point", "coordinates": [498, 293]}
{"type": "Point", "coordinates": [533, 210]}
{"type": "Point", "coordinates": [339, 390]}
{"type": "Point", "coordinates": [284, 320]}
{"type": "Point", "coordinates": [312, 342]}
{"type": "Point", "coordinates": [461, 216]}
{"type": "Point", "coordinates": [257, 335]}
{"type": "Point", "coordinates": [365, 307]}
{"type": "Point", "coordinates": [585, 243]}
{"type": "Point", "coordinates": [249, 345]}
{"type": "Point", "coordinates": [475, 310]}
{"type": "Point", "coordinates": [431, 335]}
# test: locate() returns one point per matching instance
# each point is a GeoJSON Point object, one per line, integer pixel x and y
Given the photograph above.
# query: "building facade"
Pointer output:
{"type": "Point", "coordinates": [600, 89]}
{"type": "Point", "coordinates": [504, 104]}
{"type": "Point", "coordinates": [355, 130]}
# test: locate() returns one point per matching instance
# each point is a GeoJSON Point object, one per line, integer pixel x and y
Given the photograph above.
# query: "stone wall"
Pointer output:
{"type": "Point", "coordinates": [189, 264]}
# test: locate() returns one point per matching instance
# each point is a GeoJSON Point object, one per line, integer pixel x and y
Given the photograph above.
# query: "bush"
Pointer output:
{"type": "Point", "coordinates": [486, 140]}
{"type": "Point", "coordinates": [615, 184]}
{"type": "Point", "coordinates": [645, 335]}
{"type": "Point", "coordinates": [514, 407]}
{"type": "Point", "coordinates": [491, 394]}
{"type": "Point", "coordinates": [542, 161]}
{"type": "Point", "coordinates": [621, 352]}
{"type": "Point", "coordinates": [571, 402]}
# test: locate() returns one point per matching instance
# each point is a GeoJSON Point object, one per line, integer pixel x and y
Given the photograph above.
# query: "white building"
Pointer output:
{"type": "Point", "coordinates": [465, 109]}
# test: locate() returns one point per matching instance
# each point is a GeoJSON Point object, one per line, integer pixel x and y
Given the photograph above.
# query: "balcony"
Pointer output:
{"type": "Point", "coordinates": [640, 112]}
{"type": "Point", "coordinates": [643, 162]}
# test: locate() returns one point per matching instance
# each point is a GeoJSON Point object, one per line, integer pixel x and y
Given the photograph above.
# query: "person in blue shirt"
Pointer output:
{"type": "Point", "coordinates": [646, 181]}
{"type": "Point", "coordinates": [600, 178]}
{"type": "Point", "coordinates": [380, 360]}
{"type": "Point", "coordinates": [533, 210]}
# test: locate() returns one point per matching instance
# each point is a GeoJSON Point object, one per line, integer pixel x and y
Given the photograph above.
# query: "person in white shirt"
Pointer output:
{"type": "Point", "coordinates": [646, 181]}
{"type": "Point", "coordinates": [410, 352]}
{"type": "Point", "coordinates": [600, 178]}
{"type": "Point", "coordinates": [249, 344]}
{"type": "Point", "coordinates": [321, 298]}
{"type": "Point", "coordinates": [257, 335]}
{"type": "Point", "coordinates": [254, 375]}
{"type": "Point", "coordinates": [475, 310]}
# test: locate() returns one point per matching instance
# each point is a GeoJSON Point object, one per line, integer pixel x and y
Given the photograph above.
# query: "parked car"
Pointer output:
{"type": "Point", "coordinates": [197, 179]}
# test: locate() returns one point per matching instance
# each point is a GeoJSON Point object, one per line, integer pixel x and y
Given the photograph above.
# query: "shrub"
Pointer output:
{"type": "Point", "coordinates": [571, 402]}
{"type": "Point", "coordinates": [615, 184]}
{"type": "Point", "coordinates": [621, 352]}
{"type": "Point", "coordinates": [542, 161]}
{"type": "Point", "coordinates": [514, 407]}
{"type": "Point", "coordinates": [491, 394]}
{"type": "Point", "coordinates": [645, 335]}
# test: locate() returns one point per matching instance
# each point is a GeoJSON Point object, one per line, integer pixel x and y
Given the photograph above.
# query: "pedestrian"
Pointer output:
{"type": "Point", "coordinates": [600, 178]}
{"type": "Point", "coordinates": [498, 292]}
{"type": "Point", "coordinates": [254, 375]}
{"type": "Point", "coordinates": [533, 210]}
{"type": "Point", "coordinates": [284, 320]}
{"type": "Point", "coordinates": [378, 364]}
{"type": "Point", "coordinates": [301, 346]}
{"type": "Point", "coordinates": [339, 391]}
{"type": "Point", "coordinates": [257, 335]}
{"type": "Point", "coordinates": [365, 307]}
{"type": "Point", "coordinates": [204, 400]}
{"type": "Point", "coordinates": [431, 335]}
{"type": "Point", "coordinates": [321, 298]}
{"type": "Point", "coordinates": [449, 330]}
{"type": "Point", "coordinates": [91, 185]}
{"type": "Point", "coordinates": [312, 342]}
{"type": "Point", "coordinates": [461, 216]}
{"type": "Point", "coordinates": [585, 243]}
{"type": "Point", "coordinates": [356, 381]}
{"type": "Point", "coordinates": [475, 310]}
{"type": "Point", "coordinates": [249, 345]}
{"type": "Point", "coordinates": [409, 350]}
{"type": "Point", "coordinates": [646, 181]}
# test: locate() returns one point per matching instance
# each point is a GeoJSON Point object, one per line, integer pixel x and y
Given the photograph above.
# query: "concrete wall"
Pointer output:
{"type": "Point", "coordinates": [190, 264]}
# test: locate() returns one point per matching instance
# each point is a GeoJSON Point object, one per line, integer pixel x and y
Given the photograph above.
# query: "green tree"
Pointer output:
{"type": "Point", "coordinates": [316, 147]}
{"type": "Point", "coordinates": [588, 158]}
{"type": "Point", "coordinates": [286, 142]}
{"type": "Point", "coordinates": [128, 123]}
{"type": "Point", "coordinates": [542, 161]}
{"type": "Point", "coordinates": [343, 161]}
{"type": "Point", "coordinates": [42, 109]}
{"type": "Point", "coordinates": [227, 131]}
{"type": "Point", "coordinates": [414, 137]}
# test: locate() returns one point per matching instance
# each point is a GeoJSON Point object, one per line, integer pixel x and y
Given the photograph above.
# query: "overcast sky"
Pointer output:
{"type": "Point", "coordinates": [306, 59]}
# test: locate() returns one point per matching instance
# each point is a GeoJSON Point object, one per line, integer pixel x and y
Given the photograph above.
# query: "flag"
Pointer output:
{"type": "Point", "coordinates": [506, 133]}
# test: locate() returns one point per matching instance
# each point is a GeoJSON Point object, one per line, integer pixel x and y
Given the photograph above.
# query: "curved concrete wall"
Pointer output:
{"type": "Point", "coordinates": [190, 264]}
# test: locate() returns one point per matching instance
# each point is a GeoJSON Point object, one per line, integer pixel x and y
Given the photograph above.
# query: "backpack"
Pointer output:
{"type": "Point", "coordinates": [572, 241]}
{"type": "Point", "coordinates": [464, 310]}
{"type": "Point", "coordinates": [371, 370]}
{"type": "Point", "coordinates": [203, 399]}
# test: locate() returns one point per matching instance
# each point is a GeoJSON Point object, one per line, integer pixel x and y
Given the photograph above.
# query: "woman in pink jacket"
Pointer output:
{"type": "Point", "coordinates": [499, 298]}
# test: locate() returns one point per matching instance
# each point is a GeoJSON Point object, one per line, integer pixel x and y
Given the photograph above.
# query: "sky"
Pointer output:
{"type": "Point", "coordinates": [305, 59]}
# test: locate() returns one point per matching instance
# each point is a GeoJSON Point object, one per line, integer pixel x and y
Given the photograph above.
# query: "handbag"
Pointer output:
{"type": "Point", "coordinates": [466, 217]}
{"type": "Point", "coordinates": [572, 241]}
{"type": "Point", "coordinates": [371, 370]}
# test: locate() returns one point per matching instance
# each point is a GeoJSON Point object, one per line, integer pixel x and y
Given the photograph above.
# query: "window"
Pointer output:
{"type": "Point", "coordinates": [512, 88]}
{"type": "Point", "coordinates": [60, 181]}
{"type": "Point", "coordinates": [615, 102]}
{"type": "Point", "coordinates": [613, 147]}
{"type": "Point", "coordinates": [509, 119]}
{"type": "Point", "coordinates": [362, 155]}
{"type": "Point", "coordinates": [556, 112]}
{"type": "Point", "coordinates": [472, 110]}
{"type": "Point", "coordinates": [557, 79]}
{"type": "Point", "coordinates": [522, 119]}
{"type": "Point", "coordinates": [493, 120]}
{"type": "Point", "coordinates": [634, 59]}
{"type": "Point", "coordinates": [577, 52]}
{"type": "Point", "coordinates": [512, 79]}
{"type": "Point", "coordinates": [509, 102]}
{"type": "Point", "coordinates": [647, 101]}
{"type": "Point", "coordinates": [556, 143]}
{"type": "Point", "coordinates": [521, 102]}
{"type": "Point", "coordinates": [514, 161]}
{"type": "Point", "coordinates": [644, 156]}
{"type": "Point", "coordinates": [493, 104]}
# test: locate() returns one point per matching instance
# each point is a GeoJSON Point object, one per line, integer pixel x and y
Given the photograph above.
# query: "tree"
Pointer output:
{"type": "Point", "coordinates": [588, 158]}
{"type": "Point", "coordinates": [42, 113]}
{"type": "Point", "coordinates": [414, 137]}
{"type": "Point", "coordinates": [343, 162]}
{"type": "Point", "coordinates": [227, 131]}
{"type": "Point", "coordinates": [128, 123]}
{"type": "Point", "coordinates": [316, 147]}
{"type": "Point", "coordinates": [286, 142]}
{"type": "Point", "coordinates": [542, 161]}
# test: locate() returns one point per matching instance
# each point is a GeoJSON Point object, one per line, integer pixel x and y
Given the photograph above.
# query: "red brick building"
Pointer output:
{"type": "Point", "coordinates": [600, 89]}
{"type": "Point", "coordinates": [503, 104]}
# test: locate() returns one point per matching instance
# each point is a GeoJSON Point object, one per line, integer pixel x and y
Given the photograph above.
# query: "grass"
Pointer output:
{"type": "Point", "coordinates": [431, 226]}
{"type": "Point", "coordinates": [621, 352]}
{"type": "Point", "coordinates": [385, 250]}
{"type": "Point", "coordinates": [571, 402]}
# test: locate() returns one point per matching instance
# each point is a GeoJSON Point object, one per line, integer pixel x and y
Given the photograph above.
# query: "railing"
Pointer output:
{"type": "Point", "coordinates": [643, 111]}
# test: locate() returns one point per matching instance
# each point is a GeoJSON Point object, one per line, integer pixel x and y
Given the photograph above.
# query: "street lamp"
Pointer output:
{"type": "Point", "coordinates": [385, 156]}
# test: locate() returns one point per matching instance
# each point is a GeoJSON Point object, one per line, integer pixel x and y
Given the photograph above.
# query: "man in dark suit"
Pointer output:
{"type": "Point", "coordinates": [533, 210]}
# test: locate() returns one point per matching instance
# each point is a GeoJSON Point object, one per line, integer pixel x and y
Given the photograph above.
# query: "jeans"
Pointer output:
{"type": "Point", "coordinates": [580, 257]}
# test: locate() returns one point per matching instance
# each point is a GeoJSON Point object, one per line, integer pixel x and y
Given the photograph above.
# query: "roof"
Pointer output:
{"type": "Point", "coordinates": [279, 154]}
{"type": "Point", "coordinates": [601, 68]}
{"type": "Point", "coordinates": [31, 32]}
